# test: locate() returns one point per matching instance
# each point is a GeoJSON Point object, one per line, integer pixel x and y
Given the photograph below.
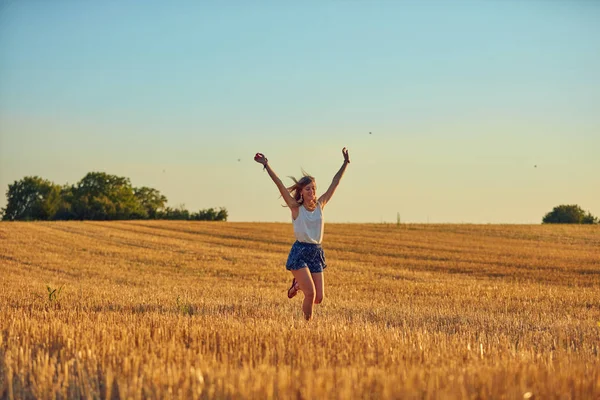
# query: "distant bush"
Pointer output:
{"type": "Point", "coordinates": [179, 213]}
{"type": "Point", "coordinates": [210, 214]}
{"type": "Point", "coordinates": [98, 196]}
{"type": "Point", "coordinates": [569, 214]}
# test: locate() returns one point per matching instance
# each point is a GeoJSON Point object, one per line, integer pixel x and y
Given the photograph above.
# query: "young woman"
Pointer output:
{"type": "Point", "coordinates": [306, 260]}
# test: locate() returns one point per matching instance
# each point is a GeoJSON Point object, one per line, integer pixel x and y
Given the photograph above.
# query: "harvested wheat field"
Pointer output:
{"type": "Point", "coordinates": [199, 310]}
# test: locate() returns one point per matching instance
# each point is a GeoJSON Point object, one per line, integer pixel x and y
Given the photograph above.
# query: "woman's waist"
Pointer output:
{"type": "Point", "coordinates": [307, 244]}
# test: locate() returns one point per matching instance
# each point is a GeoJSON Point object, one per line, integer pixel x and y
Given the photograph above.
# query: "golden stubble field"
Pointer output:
{"type": "Point", "coordinates": [168, 309]}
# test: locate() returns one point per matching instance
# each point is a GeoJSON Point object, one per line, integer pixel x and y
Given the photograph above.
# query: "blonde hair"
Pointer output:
{"type": "Point", "coordinates": [296, 189]}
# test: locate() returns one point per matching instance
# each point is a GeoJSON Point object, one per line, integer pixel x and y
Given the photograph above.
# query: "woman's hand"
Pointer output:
{"type": "Point", "coordinates": [346, 155]}
{"type": "Point", "coordinates": [261, 159]}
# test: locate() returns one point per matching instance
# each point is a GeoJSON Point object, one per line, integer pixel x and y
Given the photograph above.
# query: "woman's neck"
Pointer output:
{"type": "Point", "coordinates": [310, 206]}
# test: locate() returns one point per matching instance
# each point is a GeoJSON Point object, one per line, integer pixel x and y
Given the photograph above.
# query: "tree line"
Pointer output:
{"type": "Point", "coordinates": [97, 196]}
{"type": "Point", "coordinates": [100, 196]}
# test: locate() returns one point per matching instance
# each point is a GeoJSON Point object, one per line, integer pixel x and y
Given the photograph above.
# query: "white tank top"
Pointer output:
{"type": "Point", "coordinates": [308, 226]}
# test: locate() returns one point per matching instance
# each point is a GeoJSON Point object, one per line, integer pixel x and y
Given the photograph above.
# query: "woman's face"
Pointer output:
{"type": "Point", "coordinates": [309, 192]}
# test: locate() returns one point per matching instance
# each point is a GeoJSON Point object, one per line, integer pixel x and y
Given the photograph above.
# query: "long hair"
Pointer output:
{"type": "Point", "coordinates": [296, 189]}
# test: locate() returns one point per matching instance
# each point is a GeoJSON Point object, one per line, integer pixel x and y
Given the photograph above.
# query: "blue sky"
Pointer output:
{"type": "Point", "coordinates": [480, 111]}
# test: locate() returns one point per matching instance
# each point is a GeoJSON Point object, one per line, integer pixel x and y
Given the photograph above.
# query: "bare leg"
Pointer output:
{"type": "Point", "coordinates": [308, 288]}
{"type": "Point", "coordinates": [319, 281]}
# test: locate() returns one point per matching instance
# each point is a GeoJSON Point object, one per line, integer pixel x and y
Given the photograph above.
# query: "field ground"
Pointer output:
{"type": "Point", "coordinates": [165, 309]}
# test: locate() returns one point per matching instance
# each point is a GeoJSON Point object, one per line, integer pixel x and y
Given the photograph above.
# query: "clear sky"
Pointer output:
{"type": "Point", "coordinates": [479, 111]}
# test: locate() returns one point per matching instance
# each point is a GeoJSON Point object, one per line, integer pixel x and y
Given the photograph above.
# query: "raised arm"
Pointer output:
{"type": "Point", "coordinates": [336, 180]}
{"type": "Point", "coordinates": [287, 197]}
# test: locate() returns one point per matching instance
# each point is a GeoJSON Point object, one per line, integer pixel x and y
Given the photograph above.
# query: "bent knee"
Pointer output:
{"type": "Point", "coordinates": [310, 294]}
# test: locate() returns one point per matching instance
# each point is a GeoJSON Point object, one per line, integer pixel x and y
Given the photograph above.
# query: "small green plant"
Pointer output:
{"type": "Point", "coordinates": [184, 307]}
{"type": "Point", "coordinates": [53, 294]}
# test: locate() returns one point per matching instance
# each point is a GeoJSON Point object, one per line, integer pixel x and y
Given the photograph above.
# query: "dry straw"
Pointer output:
{"type": "Point", "coordinates": [199, 310]}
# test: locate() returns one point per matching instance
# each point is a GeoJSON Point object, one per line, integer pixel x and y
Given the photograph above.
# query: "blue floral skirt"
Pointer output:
{"type": "Point", "coordinates": [306, 255]}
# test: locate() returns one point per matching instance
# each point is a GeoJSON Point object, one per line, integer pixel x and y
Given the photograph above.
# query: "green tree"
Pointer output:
{"type": "Point", "coordinates": [569, 214]}
{"type": "Point", "coordinates": [65, 210]}
{"type": "Point", "coordinates": [151, 201]}
{"type": "Point", "coordinates": [100, 196]}
{"type": "Point", "coordinates": [31, 198]}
